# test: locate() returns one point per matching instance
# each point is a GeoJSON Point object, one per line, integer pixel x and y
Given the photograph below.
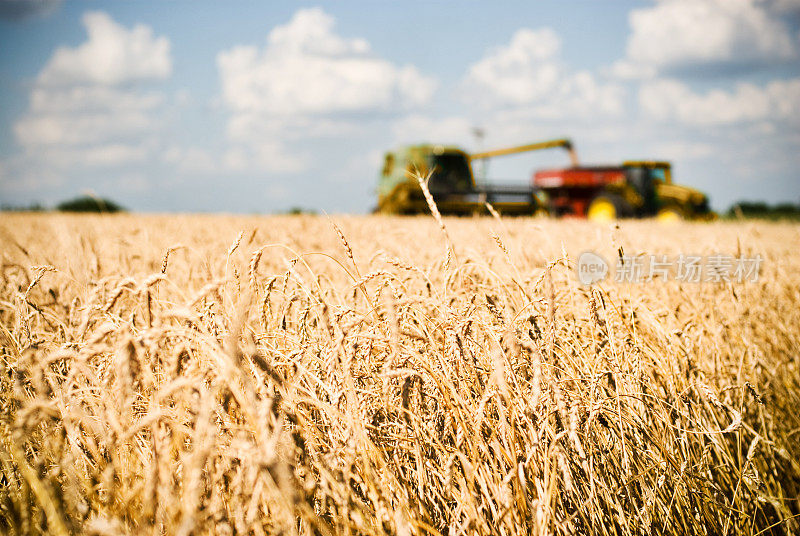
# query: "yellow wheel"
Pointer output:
{"type": "Point", "coordinates": [669, 215]}
{"type": "Point", "coordinates": [602, 209]}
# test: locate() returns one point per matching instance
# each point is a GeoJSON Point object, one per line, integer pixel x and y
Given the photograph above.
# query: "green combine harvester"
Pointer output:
{"type": "Point", "coordinates": [452, 181]}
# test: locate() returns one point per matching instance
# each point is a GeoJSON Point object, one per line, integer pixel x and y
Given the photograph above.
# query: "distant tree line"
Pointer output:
{"type": "Point", "coordinates": [761, 210]}
{"type": "Point", "coordinates": [84, 203]}
{"type": "Point", "coordinates": [89, 204]}
{"type": "Point", "coordinates": [33, 207]}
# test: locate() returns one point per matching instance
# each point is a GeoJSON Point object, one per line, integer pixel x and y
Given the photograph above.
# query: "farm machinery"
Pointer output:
{"type": "Point", "coordinates": [451, 182]}
{"type": "Point", "coordinates": [633, 189]}
{"type": "Point", "coordinates": [637, 188]}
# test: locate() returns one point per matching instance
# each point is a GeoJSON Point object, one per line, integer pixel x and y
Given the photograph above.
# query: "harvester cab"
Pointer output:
{"type": "Point", "coordinates": [450, 172]}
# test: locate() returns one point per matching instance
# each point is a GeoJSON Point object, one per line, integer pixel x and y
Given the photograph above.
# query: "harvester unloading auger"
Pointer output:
{"type": "Point", "coordinates": [634, 189]}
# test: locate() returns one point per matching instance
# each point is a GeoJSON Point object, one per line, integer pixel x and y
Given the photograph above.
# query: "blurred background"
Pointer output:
{"type": "Point", "coordinates": [254, 107]}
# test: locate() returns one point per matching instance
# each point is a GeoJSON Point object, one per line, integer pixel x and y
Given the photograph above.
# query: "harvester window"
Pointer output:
{"type": "Point", "coordinates": [641, 178]}
{"type": "Point", "coordinates": [451, 173]}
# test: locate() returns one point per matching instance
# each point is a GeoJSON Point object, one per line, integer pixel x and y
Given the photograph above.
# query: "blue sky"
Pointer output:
{"type": "Point", "coordinates": [258, 107]}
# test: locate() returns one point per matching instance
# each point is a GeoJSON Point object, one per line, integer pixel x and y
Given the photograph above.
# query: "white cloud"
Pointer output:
{"type": "Point", "coordinates": [307, 69]}
{"type": "Point", "coordinates": [668, 99]}
{"type": "Point", "coordinates": [681, 34]}
{"type": "Point", "coordinates": [581, 94]}
{"type": "Point", "coordinates": [523, 71]}
{"type": "Point", "coordinates": [90, 99]}
{"type": "Point", "coordinates": [83, 128]}
{"type": "Point", "coordinates": [112, 55]}
{"type": "Point", "coordinates": [302, 85]}
{"type": "Point", "coordinates": [82, 112]}
{"type": "Point", "coordinates": [529, 74]}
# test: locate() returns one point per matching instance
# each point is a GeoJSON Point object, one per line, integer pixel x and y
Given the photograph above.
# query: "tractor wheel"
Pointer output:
{"type": "Point", "coordinates": [670, 214]}
{"type": "Point", "coordinates": [608, 207]}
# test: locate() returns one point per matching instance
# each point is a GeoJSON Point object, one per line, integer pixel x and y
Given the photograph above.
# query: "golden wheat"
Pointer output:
{"type": "Point", "coordinates": [146, 390]}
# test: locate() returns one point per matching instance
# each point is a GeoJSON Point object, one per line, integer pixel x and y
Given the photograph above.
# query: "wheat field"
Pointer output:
{"type": "Point", "coordinates": [379, 375]}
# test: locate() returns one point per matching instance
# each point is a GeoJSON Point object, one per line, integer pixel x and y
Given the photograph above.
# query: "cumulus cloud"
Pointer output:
{"type": "Point", "coordinates": [523, 71]}
{"type": "Point", "coordinates": [671, 100]}
{"type": "Point", "coordinates": [680, 35]}
{"type": "Point", "coordinates": [83, 111]}
{"type": "Point", "coordinates": [528, 73]}
{"type": "Point", "coordinates": [306, 68]}
{"type": "Point", "coordinates": [304, 84]}
{"type": "Point", "coordinates": [112, 55]}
